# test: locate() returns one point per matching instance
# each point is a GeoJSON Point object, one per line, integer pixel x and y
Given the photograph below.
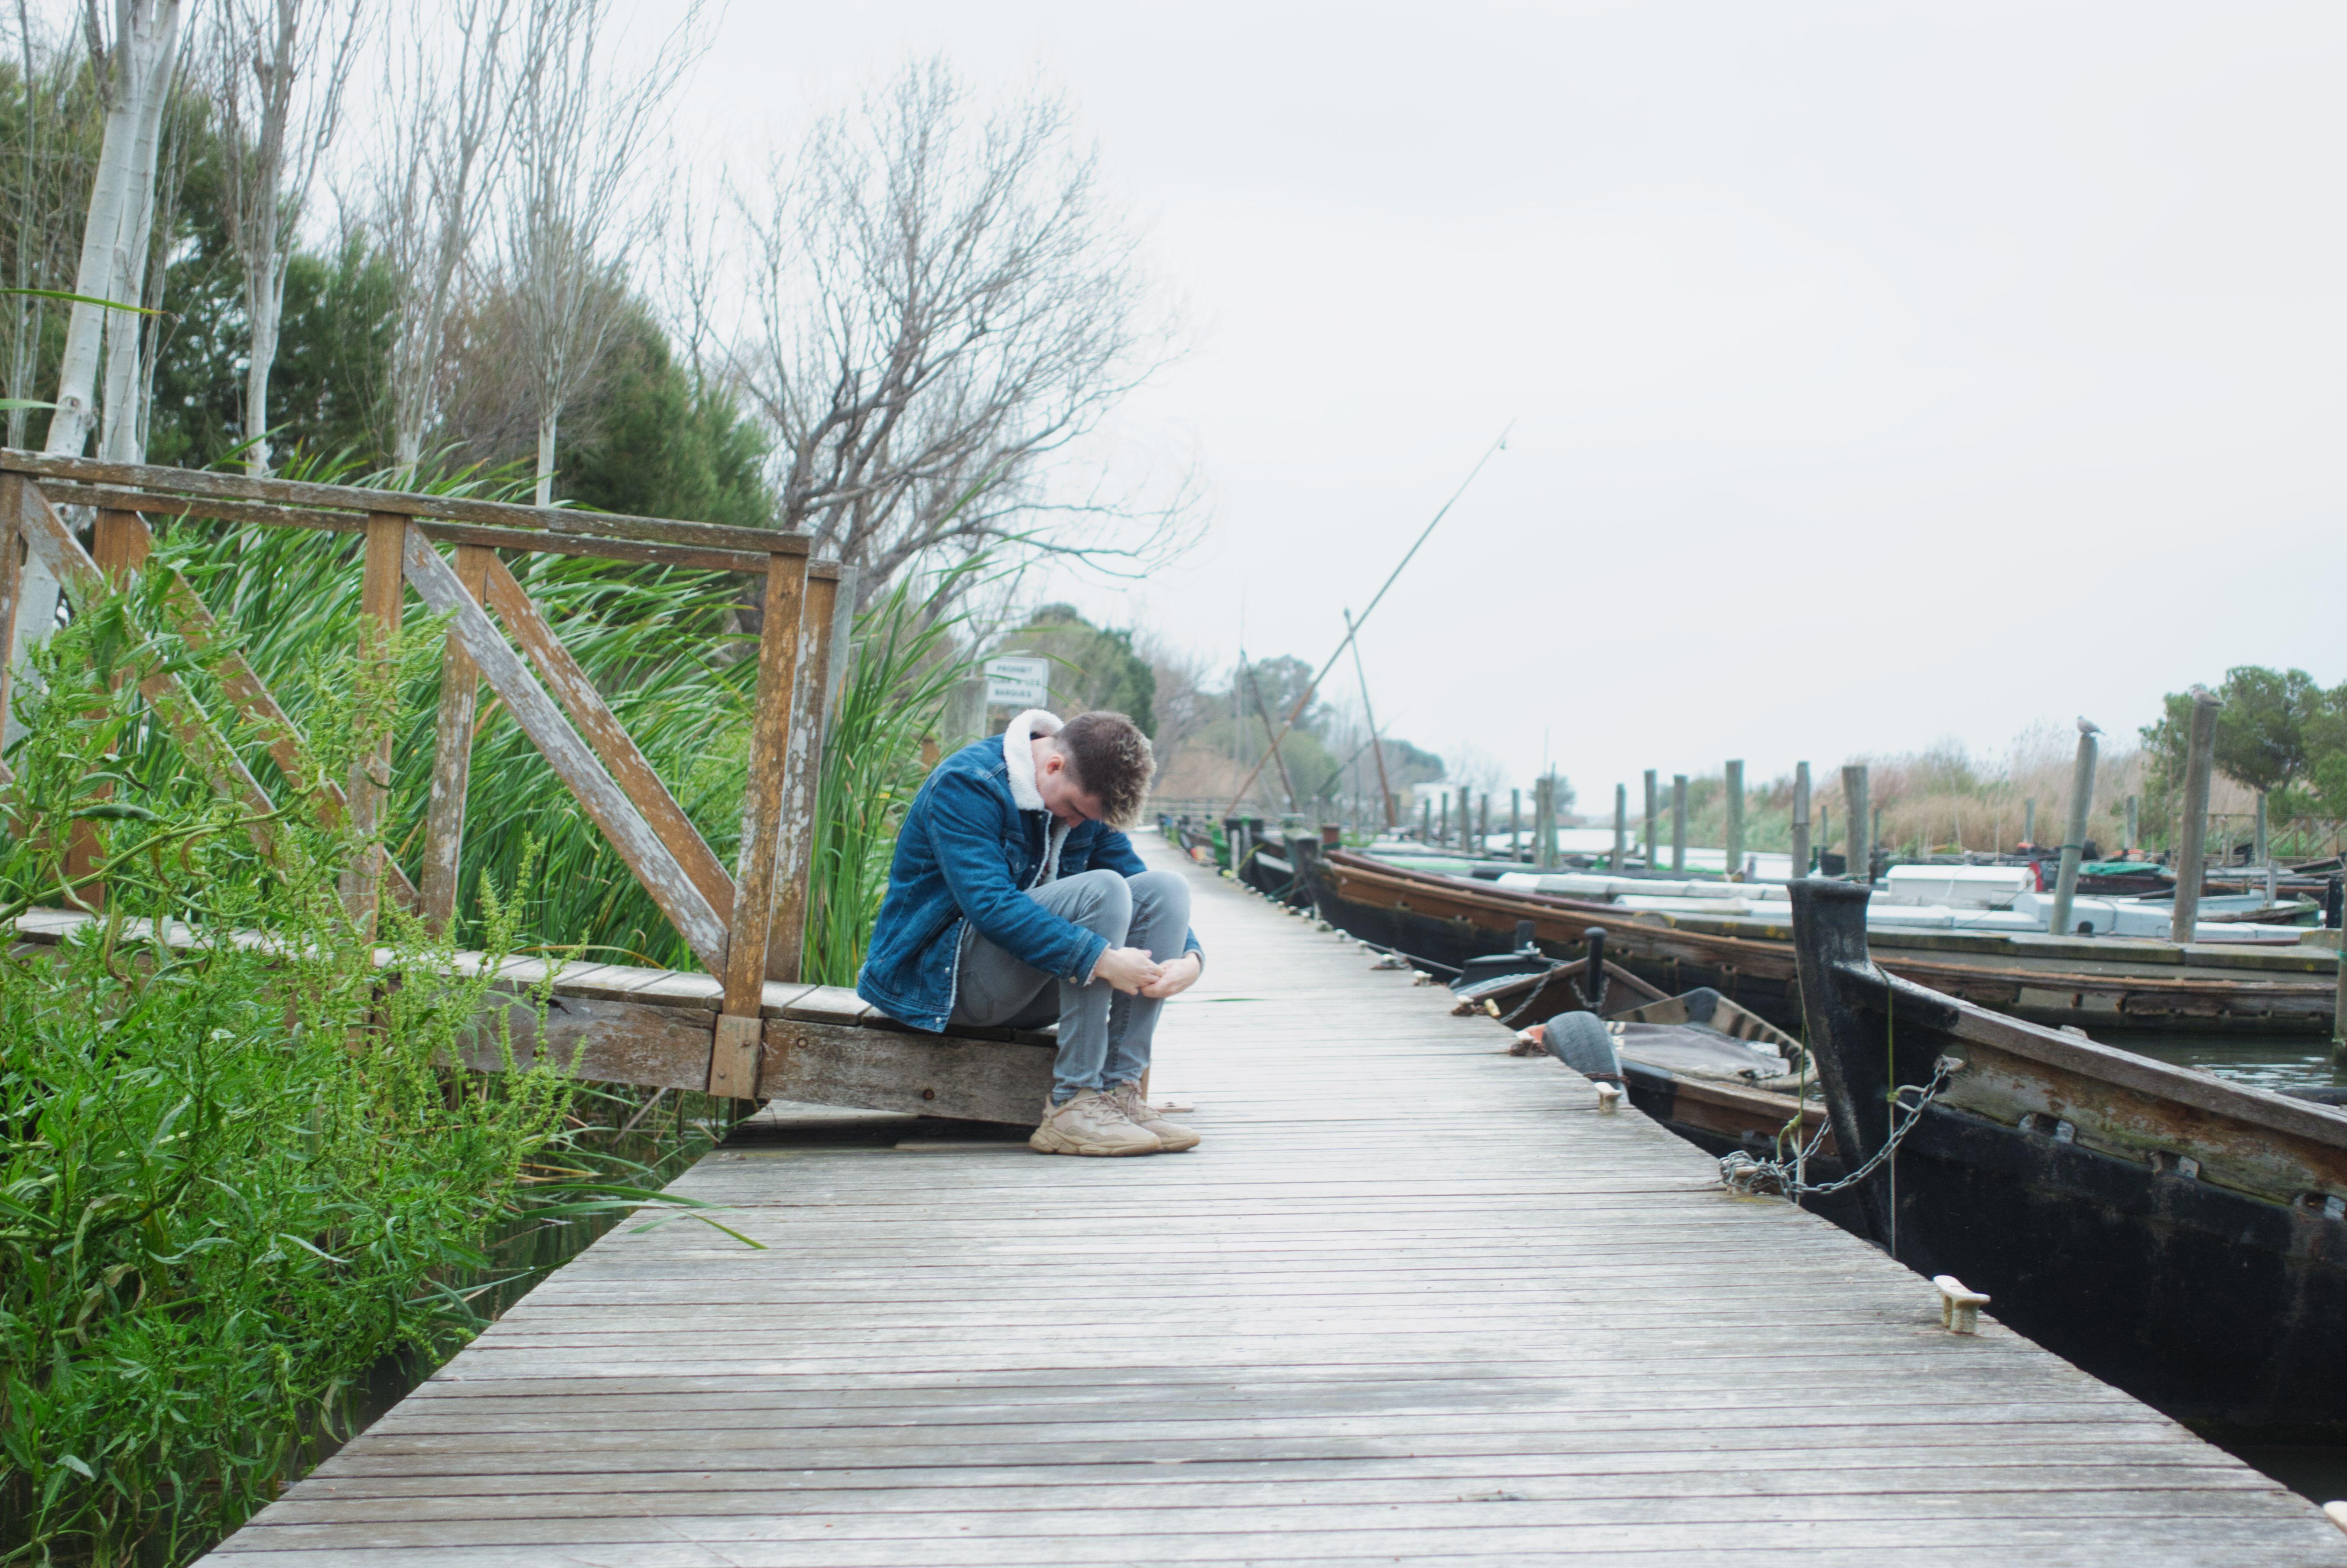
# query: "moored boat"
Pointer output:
{"type": "Point", "coordinates": [2179, 1234]}
{"type": "Point", "coordinates": [2099, 983]}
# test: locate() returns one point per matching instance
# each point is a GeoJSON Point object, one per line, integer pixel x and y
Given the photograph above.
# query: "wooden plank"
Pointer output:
{"type": "Point", "coordinates": [1349, 1350]}
{"type": "Point", "coordinates": [12, 590]}
{"type": "Point", "coordinates": [733, 1067]}
{"type": "Point", "coordinates": [606, 804]}
{"type": "Point", "coordinates": [803, 774]}
{"type": "Point", "coordinates": [694, 557]}
{"type": "Point", "coordinates": [929, 1075]}
{"type": "Point", "coordinates": [452, 755]}
{"type": "Point", "coordinates": [601, 729]}
{"type": "Point", "coordinates": [543, 520]}
{"type": "Point", "coordinates": [602, 1042]}
{"type": "Point", "coordinates": [382, 595]}
{"type": "Point", "coordinates": [119, 544]}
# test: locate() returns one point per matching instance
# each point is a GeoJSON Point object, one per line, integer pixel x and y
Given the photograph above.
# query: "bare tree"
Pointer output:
{"type": "Point", "coordinates": [445, 94]}
{"type": "Point", "coordinates": [580, 132]}
{"type": "Point", "coordinates": [275, 70]}
{"type": "Point", "coordinates": [945, 306]}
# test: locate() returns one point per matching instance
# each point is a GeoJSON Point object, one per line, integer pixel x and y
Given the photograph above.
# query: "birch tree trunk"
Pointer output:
{"type": "Point", "coordinates": [136, 79]}
{"type": "Point", "coordinates": [275, 70]}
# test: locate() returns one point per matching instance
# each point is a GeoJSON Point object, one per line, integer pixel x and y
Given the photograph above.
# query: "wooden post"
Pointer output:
{"type": "Point", "coordinates": [1543, 809]}
{"type": "Point", "coordinates": [14, 488]}
{"type": "Point", "coordinates": [1621, 826]}
{"type": "Point", "coordinates": [1425, 821]}
{"type": "Point", "coordinates": [733, 1059]}
{"type": "Point", "coordinates": [381, 592]}
{"type": "Point", "coordinates": [2082, 800]}
{"type": "Point", "coordinates": [2258, 856]}
{"type": "Point", "coordinates": [1515, 824]}
{"type": "Point", "coordinates": [1735, 785]}
{"type": "Point", "coordinates": [965, 717]}
{"type": "Point", "coordinates": [1860, 868]}
{"type": "Point", "coordinates": [1483, 825]}
{"type": "Point", "coordinates": [120, 543]}
{"type": "Point", "coordinates": [2339, 1002]}
{"type": "Point", "coordinates": [2199, 762]}
{"type": "Point", "coordinates": [2133, 806]}
{"type": "Point", "coordinates": [452, 755]}
{"type": "Point", "coordinates": [1443, 819]}
{"type": "Point", "coordinates": [1678, 824]}
{"type": "Point", "coordinates": [1466, 820]}
{"type": "Point", "coordinates": [2029, 822]}
{"type": "Point", "coordinates": [787, 941]}
{"type": "Point", "coordinates": [1654, 806]}
{"type": "Point", "coordinates": [1800, 821]}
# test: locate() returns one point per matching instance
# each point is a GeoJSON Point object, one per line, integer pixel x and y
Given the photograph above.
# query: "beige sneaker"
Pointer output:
{"type": "Point", "coordinates": [1140, 1113]}
{"type": "Point", "coordinates": [1091, 1124]}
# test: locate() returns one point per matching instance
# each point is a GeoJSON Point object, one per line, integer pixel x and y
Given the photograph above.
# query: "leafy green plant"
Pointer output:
{"type": "Point", "coordinates": [235, 1168]}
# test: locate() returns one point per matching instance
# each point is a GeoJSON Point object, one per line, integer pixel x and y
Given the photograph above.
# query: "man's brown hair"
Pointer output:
{"type": "Point", "coordinates": [1109, 759]}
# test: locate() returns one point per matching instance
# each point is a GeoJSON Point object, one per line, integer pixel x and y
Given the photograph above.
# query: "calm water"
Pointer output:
{"type": "Point", "coordinates": [2275, 1062]}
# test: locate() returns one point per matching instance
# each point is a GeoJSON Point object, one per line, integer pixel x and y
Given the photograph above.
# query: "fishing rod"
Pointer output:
{"type": "Point", "coordinates": [1353, 626]}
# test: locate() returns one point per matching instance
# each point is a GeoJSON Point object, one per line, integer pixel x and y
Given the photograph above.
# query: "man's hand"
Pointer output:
{"type": "Point", "coordinates": [1130, 970]}
{"type": "Point", "coordinates": [1175, 978]}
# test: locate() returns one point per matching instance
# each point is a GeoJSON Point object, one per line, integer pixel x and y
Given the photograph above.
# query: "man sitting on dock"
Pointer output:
{"type": "Point", "coordinates": [1015, 899]}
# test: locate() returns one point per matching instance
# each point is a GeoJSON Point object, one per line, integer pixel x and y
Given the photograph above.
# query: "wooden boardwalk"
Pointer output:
{"type": "Point", "coordinates": [1414, 1300]}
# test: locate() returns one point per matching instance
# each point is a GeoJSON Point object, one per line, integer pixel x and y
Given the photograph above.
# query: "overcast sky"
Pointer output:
{"type": "Point", "coordinates": [1879, 372]}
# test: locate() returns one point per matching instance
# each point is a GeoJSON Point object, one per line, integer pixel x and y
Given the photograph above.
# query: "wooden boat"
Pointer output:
{"type": "Point", "coordinates": [2180, 1236]}
{"type": "Point", "coordinates": [2101, 983]}
{"type": "Point", "coordinates": [1716, 1073]}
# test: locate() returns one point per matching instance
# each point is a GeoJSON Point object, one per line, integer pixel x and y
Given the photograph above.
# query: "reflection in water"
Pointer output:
{"type": "Point", "coordinates": [2279, 1062]}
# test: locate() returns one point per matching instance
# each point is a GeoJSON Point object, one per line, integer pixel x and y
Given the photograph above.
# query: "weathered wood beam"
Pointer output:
{"type": "Point", "coordinates": [617, 751]}
{"type": "Point", "coordinates": [606, 804]}
{"type": "Point", "coordinates": [801, 774]}
{"type": "Point", "coordinates": [452, 755]}
{"type": "Point", "coordinates": [382, 595]}
{"type": "Point", "coordinates": [549, 520]}
{"type": "Point", "coordinates": [12, 585]}
{"type": "Point", "coordinates": [733, 1065]}
{"type": "Point", "coordinates": [821, 1063]}
{"type": "Point", "coordinates": [328, 520]}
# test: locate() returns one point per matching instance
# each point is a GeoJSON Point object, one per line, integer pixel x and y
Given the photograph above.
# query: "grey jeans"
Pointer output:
{"type": "Point", "coordinates": [1104, 1035]}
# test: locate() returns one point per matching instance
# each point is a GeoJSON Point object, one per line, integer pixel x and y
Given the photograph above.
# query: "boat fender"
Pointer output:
{"type": "Point", "coordinates": [1582, 1041]}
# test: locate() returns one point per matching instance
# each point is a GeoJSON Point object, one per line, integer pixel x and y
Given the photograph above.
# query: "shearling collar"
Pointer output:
{"type": "Point", "coordinates": [1018, 756]}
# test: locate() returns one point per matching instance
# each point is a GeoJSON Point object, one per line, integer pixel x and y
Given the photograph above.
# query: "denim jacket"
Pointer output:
{"type": "Point", "coordinates": [975, 839]}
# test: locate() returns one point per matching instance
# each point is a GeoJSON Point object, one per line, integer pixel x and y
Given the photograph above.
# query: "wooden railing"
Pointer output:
{"type": "Point", "coordinates": [745, 929]}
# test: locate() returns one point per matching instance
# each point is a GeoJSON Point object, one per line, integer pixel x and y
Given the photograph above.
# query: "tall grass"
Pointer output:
{"type": "Point", "coordinates": [903, 662]}
{"type": "Point", "coordinates": [658, 642]}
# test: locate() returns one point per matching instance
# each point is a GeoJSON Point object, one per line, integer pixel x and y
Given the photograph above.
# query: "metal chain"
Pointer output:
{"type": "Point", "coordinates": [1743, 1174]}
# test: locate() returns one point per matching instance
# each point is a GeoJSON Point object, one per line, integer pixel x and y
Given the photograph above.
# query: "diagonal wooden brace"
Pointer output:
{"type": "Point", "coordinates": [435, 583]}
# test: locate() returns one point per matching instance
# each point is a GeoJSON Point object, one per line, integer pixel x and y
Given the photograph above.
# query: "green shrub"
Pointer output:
{"type": "Point", "coordinates": [234, 1170]}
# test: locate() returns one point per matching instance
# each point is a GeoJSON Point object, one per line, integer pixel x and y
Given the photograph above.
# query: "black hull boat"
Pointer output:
{"type": "Point", "coordinates": [2102, 984]}
{"type": "Point", "coordinates": [2179, 1235]}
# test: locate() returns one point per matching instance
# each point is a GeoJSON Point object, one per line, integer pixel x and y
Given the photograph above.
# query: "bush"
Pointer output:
{"type": "Point", "coordinates": [235, 1171]}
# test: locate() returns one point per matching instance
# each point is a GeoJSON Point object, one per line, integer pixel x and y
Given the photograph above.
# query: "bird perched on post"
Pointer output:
{"type": "Point", "coordinates": [2087, 726]}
